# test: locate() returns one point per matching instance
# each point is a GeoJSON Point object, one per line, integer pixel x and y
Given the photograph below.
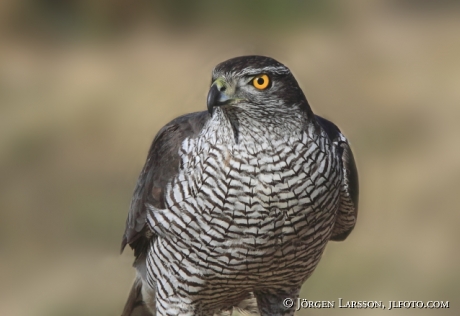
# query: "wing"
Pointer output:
{"type": "Point", "coordinates": [162, 164]}
{"type": "Point", "coordinates": [349, 195]}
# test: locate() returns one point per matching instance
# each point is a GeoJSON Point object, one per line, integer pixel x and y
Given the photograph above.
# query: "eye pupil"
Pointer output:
{"type": "Point", "coordinates": [260, 81]}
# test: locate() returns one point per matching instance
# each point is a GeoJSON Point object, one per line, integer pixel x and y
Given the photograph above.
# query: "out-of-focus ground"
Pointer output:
{"type": "Point", "coordinates": [85, 87]}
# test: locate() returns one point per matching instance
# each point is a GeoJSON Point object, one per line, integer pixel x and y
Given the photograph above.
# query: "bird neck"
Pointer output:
{"type": "Point", "coordinates": [235, 125]}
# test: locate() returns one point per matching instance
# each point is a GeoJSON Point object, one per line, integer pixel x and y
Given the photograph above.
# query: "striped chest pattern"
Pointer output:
{"type": "Point", "coordinates": [256, 210]}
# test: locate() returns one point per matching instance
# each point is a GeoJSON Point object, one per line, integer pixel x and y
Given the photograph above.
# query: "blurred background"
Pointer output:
{"type": "Point", "coordinates": [85, 85]}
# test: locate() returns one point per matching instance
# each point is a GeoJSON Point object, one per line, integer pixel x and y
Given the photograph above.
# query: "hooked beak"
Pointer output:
{"type": "Point", "coordinates": [217, 95]}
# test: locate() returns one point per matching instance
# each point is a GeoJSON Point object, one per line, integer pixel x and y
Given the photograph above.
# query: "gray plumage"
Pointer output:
{"type": "Point", "coordinates": [236, 205]}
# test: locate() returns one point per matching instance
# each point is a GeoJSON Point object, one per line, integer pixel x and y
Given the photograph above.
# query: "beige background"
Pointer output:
{"type": "Point", "coordinates": [85, 85]}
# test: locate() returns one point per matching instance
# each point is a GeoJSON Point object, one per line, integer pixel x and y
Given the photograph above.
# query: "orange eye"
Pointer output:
{"type": "Point", "coordinates": [261, 82]}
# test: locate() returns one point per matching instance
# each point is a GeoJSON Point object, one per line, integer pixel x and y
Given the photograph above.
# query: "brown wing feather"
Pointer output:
{"type": "Point", "coordinates": [161, 165]}
{"type": "Point", "coordinates": [348, 209]}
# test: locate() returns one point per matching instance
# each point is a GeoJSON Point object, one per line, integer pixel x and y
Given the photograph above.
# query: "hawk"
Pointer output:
{"type": "Point", "coordinates": [235, 205]}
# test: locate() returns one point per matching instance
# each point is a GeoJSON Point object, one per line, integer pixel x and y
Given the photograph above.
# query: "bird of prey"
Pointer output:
{"type": "Point", "coordinates": [236, 204]}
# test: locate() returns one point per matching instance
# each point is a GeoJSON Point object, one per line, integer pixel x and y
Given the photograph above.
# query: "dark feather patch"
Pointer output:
{"type": "Point", "coordinates": [161, 165]}
{"type": "Point", "coordinates": [348, 164]}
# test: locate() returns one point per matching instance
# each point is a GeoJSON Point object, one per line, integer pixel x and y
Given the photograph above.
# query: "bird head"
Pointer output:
{"type": "Point", "coordinates": [254, 83]}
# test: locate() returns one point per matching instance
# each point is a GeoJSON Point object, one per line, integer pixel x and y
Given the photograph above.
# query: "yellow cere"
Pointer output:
{"type": "Point", "coordinates": [261, 82]}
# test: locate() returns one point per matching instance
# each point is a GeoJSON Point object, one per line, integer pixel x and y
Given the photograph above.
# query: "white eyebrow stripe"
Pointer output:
{"type": "Point", "coordinates": [279, 70]}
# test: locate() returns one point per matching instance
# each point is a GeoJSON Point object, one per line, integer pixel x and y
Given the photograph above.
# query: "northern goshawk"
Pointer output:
{"type": "Point", "coordinates": [236, 204]}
